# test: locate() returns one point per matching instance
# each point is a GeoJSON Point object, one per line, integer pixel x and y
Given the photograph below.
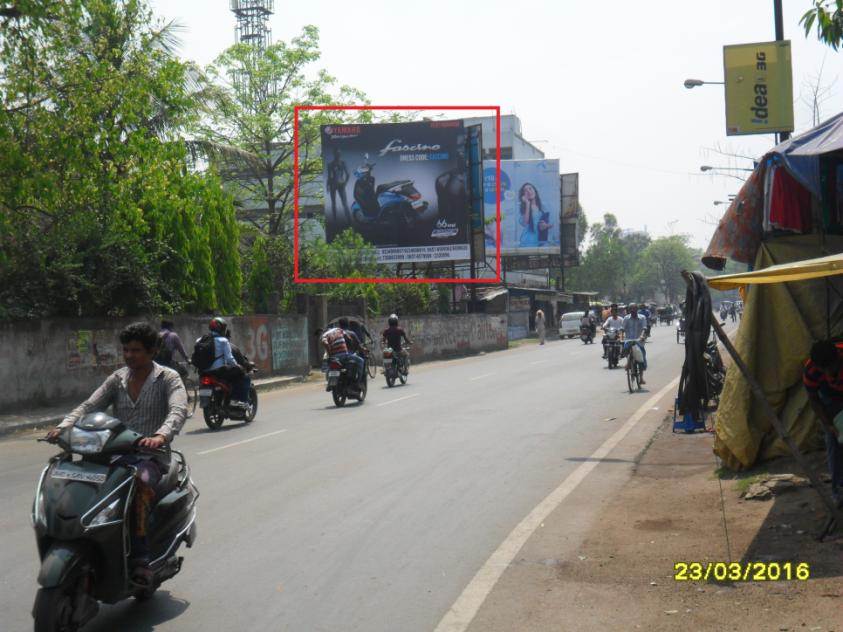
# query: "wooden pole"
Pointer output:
{"type": "Point", "coordinates": [833, 513]}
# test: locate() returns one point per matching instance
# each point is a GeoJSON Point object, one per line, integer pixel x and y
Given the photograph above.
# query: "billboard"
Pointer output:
{"type": "Point", "coordinates": [570, 185]}
{"type": "Point", "coordinates": [530, 206]}
{"type": "Point", "coordinates": [402, 186]}
{"type": "Point", "coordinates": [759, 88]}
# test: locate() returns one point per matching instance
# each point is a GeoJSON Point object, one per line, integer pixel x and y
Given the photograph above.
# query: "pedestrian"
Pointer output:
{"type": "Point", "coordinates": [170, 345]}
{"type": "Point", "coordinates": [540, 329]}
{"type": "Point", "coordinates": [823, 380]}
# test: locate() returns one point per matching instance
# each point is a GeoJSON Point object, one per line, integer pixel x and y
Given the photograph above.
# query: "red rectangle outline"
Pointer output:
{"type": "Point", "coordinates": [299, 279]}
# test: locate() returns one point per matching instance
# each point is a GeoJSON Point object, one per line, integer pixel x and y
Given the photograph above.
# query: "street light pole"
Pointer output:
{"type": "Point", "coordinates": [779, 19]}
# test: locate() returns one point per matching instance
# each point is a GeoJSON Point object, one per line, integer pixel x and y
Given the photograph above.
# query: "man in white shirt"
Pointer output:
{"type": "Point", "coordinates": [614, 321]}
{"type": "Point", "coordinates": [634, 332]}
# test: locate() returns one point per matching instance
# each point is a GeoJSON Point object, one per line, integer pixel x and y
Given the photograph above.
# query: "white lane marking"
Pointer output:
{"type": "Point", "coordinates": [400, 399]}
{"type": "Point", "coordinates": [236, 443]}
{"type": "Point", "coordinates": [480, 377]}
{"type": "Point", "coordinates": [461, 614]}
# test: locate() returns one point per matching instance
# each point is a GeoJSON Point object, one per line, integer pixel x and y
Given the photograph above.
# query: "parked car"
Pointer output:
{"type": "Point", "coordinates": [569, 324]}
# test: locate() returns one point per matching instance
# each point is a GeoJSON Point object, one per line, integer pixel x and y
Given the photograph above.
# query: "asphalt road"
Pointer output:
{"type": "Point", "coordinates": [371, 517]}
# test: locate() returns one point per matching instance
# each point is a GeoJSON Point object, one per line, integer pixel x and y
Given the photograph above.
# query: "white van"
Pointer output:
{"type": "Point", "coordinates": [569, 324]}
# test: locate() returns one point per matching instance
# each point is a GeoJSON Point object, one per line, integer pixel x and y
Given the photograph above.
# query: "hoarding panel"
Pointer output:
{"type": "Point", "coordinates": [759, 88]}
{"type": "Point", "coordinates": [570, 184]}
{"type": "Point", "coordinates": [530, 206]}
{"type": "Point", "coordinates": [402, 186]}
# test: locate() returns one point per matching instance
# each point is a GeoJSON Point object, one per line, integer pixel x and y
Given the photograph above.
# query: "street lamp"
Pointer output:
{"type": "Point", "coordinates": [693, 83]}
{"type": "Point", "coordinates": [710, 168]}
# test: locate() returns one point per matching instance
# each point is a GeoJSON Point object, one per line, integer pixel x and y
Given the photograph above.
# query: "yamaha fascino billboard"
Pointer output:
{"type": "Point", "coordinates": [402, 186]}
{"type": "Point", "coordinates": [530, 206]}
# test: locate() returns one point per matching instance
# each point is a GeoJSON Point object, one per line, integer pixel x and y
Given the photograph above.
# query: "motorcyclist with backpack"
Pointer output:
{"type": "Point", "coordinates": [213, 354]}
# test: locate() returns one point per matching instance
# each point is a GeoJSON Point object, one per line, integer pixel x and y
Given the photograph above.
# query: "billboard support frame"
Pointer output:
{"type": "Point", "coordinates": [297, 278]}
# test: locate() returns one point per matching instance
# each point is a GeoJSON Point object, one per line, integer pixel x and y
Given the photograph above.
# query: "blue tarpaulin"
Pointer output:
{"type": "Point", "coordinates": [800, 154]}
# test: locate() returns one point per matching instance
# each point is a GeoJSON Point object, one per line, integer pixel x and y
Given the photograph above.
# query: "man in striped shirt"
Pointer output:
{"type": "Point", "coordinates": [823, 379]}
{"type": "Point", "coordinates": [149, 399]}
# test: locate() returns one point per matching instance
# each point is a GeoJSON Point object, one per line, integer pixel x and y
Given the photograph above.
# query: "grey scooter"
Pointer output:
{"type": "Point", "coordinates": [82, 515]}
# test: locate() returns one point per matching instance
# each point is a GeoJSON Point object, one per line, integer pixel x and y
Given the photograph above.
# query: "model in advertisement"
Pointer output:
{"type": "Point", "coordinates": [532, 217]}
{"type": "Point", "coordinates": [337, 181]}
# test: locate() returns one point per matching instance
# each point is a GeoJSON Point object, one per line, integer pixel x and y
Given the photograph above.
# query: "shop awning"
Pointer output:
{"type": "Point", "coordinates": [796, 271]}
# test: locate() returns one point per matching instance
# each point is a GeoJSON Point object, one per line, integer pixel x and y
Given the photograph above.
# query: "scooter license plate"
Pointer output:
{"type": "Point", "coordinates": [333, 374]}
{"type": "Point", "coordinates": [205, 392]}
{"type": "Point", "coordinates": [417, 204]}
{"type": "Point", "coordinates": [77, 475]}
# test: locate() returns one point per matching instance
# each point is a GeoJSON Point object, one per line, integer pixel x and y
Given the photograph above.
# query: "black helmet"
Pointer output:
{"type": "Point", "coordinates": [393, 320]}
{"type": "Point", "coordinates": [218, 325]}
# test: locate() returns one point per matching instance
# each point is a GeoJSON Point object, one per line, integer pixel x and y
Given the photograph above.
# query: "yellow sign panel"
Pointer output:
{"type": "Point", "coordinates": [759, 88]}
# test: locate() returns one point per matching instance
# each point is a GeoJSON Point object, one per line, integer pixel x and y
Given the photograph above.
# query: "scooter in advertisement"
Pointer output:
{"type": "Point", "coordinates": [389, 204]}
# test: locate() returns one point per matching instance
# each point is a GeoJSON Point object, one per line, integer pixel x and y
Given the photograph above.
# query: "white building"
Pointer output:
{"type": "Point", "coordinates": [513, 145]}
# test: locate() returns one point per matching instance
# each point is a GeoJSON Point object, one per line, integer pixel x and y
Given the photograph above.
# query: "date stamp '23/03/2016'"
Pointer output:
{"type": "Point", "coordinates": [741, 571]}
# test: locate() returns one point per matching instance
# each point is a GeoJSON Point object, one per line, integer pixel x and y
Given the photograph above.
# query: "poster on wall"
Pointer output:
{"type": "Point", "coordinates": [401, 186]}
{"type": "Point", "coordinates": [530, 206]}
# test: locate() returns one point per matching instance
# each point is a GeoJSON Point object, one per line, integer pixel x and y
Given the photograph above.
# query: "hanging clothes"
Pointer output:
{"type": "Point", "coordinates": [790, 203]}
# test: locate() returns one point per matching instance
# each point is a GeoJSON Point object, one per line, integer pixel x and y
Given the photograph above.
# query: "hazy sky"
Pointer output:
{"type": "Point", "coordinates": [597, 85]}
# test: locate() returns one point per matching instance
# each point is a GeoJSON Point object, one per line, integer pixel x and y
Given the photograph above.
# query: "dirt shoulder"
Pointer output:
{"type": "Point", "coordinates": [620, 574]}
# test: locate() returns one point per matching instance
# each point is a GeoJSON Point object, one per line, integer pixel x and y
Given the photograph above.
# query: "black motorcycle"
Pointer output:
{"type": "Point", "coordinates": [82, 518]}
{"type": "Point", "coordinates": [587, 334]}
{"type": "Point", "coordinates": [341, 385]}
{"type": "Point", "coordinates": [215, 401]}
{"type": "Point", "coordinates": [394, 367]}
{"type": "Point", "coordinates": [613, 347]}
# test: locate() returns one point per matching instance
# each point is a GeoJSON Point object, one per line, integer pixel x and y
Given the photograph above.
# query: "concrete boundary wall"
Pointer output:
{"type": "Point", "coordinates": [52, 360]}
{"type": "Point", "coordinates": [438, 337]}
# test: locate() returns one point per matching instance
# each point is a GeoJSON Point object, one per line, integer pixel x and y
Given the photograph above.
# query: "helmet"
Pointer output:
{"type": "Point", "coordinates": [218, 325]}
{"type": "Point", "coordinates": [393, 320]}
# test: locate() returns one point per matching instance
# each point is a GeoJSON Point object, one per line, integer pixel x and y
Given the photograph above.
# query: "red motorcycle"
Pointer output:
{"type": "Point", "coordinates": [215, 401]}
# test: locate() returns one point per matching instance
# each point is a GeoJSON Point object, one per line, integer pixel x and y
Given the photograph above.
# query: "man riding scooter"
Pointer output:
{"type": "Point", "coordinates": [392, 337]}
{"type": "Point", "coordinates": [149, 399]}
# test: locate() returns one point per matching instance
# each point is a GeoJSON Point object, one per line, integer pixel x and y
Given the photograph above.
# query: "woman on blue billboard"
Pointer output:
{"type": "Point", "coordinates": [532, 217]}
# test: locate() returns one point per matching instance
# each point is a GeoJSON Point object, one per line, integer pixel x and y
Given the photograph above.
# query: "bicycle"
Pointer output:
{"type": "Point", "coordinates": [191, 385]}
{"type": "Point", "coordinates": [371, 369]}
{"type": "Point", "coordinates": [634, 370]}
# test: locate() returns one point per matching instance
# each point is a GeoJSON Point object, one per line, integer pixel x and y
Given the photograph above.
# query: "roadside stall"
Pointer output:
{"type": "Point", "coordinates": [764, 410]}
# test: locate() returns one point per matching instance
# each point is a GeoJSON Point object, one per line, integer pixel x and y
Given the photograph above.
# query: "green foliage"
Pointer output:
{"type": "Point", "coordinates": [827, 16]}
{"type": "Point", "coordinates": [247, 131]}
{"type": "Point", "coordinates": [99, 210]}
{"type": "Point", "coordinates": [631, 266]}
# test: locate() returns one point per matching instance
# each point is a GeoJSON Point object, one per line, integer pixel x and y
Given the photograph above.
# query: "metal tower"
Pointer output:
{"type": "Point", "coordinates": [253, 21]}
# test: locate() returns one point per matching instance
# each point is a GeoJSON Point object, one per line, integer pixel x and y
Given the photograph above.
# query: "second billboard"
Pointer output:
{"type": "Point", "coordinates": [530, 206]}
{"type": "Point", "coordinates": [402, 186]}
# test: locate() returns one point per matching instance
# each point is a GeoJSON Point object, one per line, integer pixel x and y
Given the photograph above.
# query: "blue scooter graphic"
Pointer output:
{"type": "Point", "coordinates": [394, 203]}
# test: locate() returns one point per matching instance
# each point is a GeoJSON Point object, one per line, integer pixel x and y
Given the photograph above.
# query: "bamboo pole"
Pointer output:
{"type": "Point", "coordinates": [833, 513]}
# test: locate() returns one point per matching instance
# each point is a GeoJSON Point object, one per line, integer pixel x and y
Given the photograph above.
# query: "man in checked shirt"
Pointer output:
{"type": "Point", "coordinates": [149, 399]}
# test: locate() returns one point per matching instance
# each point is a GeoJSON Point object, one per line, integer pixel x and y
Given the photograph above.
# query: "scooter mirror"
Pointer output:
{"type": "Point", "coordinates": [365, 156]}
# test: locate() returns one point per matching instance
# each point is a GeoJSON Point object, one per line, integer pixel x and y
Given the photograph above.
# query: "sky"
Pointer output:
{"type": "Point", "coordinates": [597, 85]}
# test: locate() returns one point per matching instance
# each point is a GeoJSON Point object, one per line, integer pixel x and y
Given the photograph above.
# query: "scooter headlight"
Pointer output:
{"type": "Point", "coordinates": [39, 513]}
{"type": "Point", "coordinates": [88, 441]}
{"type": "Point", "coordinates": [110, 513]}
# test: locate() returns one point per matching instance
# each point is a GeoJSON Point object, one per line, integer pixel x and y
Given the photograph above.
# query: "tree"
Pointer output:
{"type": "Point", "coordinates": [100, 212]}
{"type": "Point", "coordinates": [827, 16]}
{"type": "Point", "coordinates": [660, 266]}
{"type": "Point", "coordinates": [247, 131]}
